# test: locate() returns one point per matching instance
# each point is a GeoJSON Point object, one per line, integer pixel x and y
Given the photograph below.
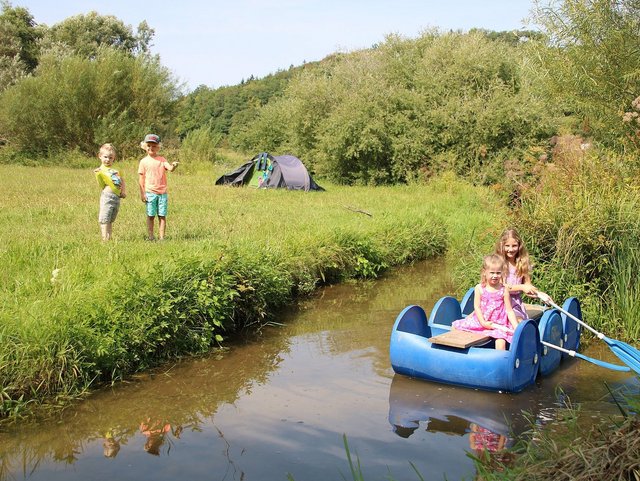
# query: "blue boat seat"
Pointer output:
{"type": "Point", "coordinates": [466, 304]}
{"type": "Point", "coordinates": [446, 310]}
{"type": "Point", "coordinates": [413, 320]}
{"type": "Point", "coordinates": [571, 329]}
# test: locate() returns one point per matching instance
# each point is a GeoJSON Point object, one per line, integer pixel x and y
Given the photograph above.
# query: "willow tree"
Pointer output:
{"type": "Point", "coordinates": [72, 102]}
{"type": "Point", "coordinates": [590, 61]}
{"type": "Point", "coordinates": [19, 37]}
{"type": "Point", "coordinates": [85, 34]}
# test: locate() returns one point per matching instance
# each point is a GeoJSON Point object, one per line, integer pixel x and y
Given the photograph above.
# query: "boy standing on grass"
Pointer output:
{"type": "Point", "coordinates": [112, 187]}
{"type": "Point", "coordinates": [153, 184]}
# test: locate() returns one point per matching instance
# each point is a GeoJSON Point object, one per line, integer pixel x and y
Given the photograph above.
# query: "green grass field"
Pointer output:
{"type": "Point", "coordinates": [232, 257]}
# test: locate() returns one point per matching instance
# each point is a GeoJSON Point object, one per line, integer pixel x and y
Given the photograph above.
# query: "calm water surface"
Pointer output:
{"type": "Point", "coordinates": [281, 404]}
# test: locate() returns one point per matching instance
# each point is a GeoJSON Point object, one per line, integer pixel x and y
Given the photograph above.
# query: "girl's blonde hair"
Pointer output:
{"type": "Point", "coordinates": [490, 261]}
{"type": "Point", "coordinates": [107, 148]}
{"type": "Point", "coordinates": [523, 264]}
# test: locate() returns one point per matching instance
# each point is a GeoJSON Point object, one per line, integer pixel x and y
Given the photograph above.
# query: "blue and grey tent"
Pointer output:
{"type": "Point", "coordinates": [271, 172]}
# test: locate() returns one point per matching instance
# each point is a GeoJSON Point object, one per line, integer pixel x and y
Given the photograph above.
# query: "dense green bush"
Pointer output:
{"type": "Point", "coordinates": [200, 145]}
{"type": "Point", "coordinates": [75, 103]}
{"type": "Point", "coordinates": [140, 327]}
{"type": "Point", "coordinates": [406, 109]}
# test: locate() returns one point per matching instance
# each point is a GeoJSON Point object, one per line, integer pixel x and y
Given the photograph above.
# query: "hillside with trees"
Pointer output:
{"type": "Point", "coordinates": [482, 104]}
{"type": "Point", "coordinates": [222, 108]}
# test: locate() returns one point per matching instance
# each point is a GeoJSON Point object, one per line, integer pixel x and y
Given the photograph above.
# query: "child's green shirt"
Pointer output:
{"type": "Point", "coordinates": [107, 176]}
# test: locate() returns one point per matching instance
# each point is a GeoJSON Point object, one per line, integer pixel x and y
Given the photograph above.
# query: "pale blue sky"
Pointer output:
{"type": "Point", "coordinates": [217, 43]}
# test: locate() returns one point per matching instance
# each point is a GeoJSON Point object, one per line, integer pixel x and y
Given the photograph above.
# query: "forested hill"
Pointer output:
{"type": "Point", "coordinates": [481, 104]}
{"type": "Point", "coordinates": [222, 107]}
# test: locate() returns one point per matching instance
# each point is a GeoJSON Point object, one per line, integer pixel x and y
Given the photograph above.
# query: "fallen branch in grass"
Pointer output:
{"type": "Point", "coordinates": [353, 209]}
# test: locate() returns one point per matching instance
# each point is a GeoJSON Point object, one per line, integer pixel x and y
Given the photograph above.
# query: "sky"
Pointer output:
{"type": "Point", "coordinates": [217, 43]}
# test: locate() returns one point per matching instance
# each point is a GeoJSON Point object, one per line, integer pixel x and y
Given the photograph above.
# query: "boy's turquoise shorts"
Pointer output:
{"type": "Point", "coordinates": [157, 204]}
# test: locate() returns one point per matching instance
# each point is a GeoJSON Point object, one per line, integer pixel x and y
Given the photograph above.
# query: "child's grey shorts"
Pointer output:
{"type": "Point", "coordinates": [109, 206]}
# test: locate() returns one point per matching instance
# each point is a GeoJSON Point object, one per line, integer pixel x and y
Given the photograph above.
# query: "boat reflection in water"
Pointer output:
{"type": "Point", "coordinates": [491, 420]}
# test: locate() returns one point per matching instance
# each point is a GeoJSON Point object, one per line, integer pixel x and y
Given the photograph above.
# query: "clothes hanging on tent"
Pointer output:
{"type": "Point", "coordinates": [267, 171]}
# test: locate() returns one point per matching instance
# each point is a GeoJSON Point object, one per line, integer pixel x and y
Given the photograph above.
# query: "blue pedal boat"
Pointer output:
{"type": "Point", "coordinates": [478, 367]}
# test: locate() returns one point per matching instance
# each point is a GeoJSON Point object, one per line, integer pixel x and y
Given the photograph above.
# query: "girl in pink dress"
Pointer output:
{"type": "Point", "coordinates": [518, 278]}
{"type": "Point", "coordinates": [492, 314]}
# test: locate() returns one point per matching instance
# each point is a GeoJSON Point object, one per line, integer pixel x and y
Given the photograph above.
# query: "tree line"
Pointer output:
{"type": "Point", "coordinates": [480, 103]}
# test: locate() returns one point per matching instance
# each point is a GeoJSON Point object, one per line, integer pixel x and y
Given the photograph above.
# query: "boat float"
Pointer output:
{"type": "Point", "coordinates": [427, 348]}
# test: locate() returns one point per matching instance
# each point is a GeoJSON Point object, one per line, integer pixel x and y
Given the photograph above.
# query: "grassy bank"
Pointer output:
{"type": "Point", "coordinates": [232, 258]}
{"type": "Point", "coordinates": [573, 448]}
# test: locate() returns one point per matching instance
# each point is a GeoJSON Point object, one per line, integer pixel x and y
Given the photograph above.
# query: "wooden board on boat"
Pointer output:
{"type": "Point", "coordinates": [534, 311]}
{"type": "Point", "coordinates": [460, 339]}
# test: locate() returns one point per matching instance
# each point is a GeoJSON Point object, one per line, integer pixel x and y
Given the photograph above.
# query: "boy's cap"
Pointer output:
{"type": "Point", "coordinates": [152, 138]}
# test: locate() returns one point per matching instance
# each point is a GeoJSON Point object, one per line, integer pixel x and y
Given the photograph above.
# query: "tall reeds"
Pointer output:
{"type": "Point", "coordinates": [624, 291]}
{"type": "Point", "coordinates": [582, 224]}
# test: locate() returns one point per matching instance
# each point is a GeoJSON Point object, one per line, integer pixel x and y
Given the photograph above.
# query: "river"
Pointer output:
{"type": "Point", "coordinates": [279, 404]}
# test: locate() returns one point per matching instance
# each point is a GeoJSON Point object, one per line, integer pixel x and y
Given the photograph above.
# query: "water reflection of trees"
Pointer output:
{"type": "Point", "coordinates": [374, 304]}
{"type": "Point", "coordinates": [183, 396]}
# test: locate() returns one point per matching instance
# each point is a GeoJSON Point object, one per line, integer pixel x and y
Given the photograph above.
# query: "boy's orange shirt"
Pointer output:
{"type": "Point", "coordinates": [154, 170]}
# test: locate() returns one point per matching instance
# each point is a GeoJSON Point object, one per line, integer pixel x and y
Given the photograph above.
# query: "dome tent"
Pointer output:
{"type": "Point", "coordinates": [268, 171]}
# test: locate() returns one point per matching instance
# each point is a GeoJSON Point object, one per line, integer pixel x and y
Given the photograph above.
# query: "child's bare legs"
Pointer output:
{"type": "Point", "coordinates": [150, 220]}
{"type": "Point", "coordinates": [501, 344]}
{"type": "Point", "coordinates": [105, 230]}
{"type": "Point", "coordinates": [162, 225]}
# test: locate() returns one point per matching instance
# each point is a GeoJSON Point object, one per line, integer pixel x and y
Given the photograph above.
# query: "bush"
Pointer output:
{"type": "Point", "coordinates": [588, 62]}
{"type": "Point", "coordinates": [405, 110]}
{"type": "Point", "coordinates": [77, 103]}
{"type": "Point", "coordinates": [199, 145]}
